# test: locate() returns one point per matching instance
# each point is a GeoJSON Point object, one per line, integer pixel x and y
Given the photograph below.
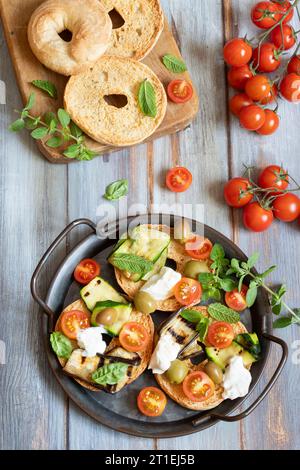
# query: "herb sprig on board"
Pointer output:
{"type": "Point", "coordinates": [59, 129]}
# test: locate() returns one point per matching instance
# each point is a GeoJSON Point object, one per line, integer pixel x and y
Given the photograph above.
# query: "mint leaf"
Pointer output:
{"type": "Point", "coordinates": [17, 126]}
{"type": "Point", "coordinates": [222, 313]}
{"type": "Point", "coordinates": [173, 64]}
{"type": "Point", "coordinates": [192, 316]}
{"type": "Point", "coordinates": [63, 117]}
{"type": "Point", "coordinates": [61, 345]}
{"type": "Point", "coordinates": [110, 374]}
{"type": "Point", "coordinates": [131, 263]}
{"type": "Point", "coordinates": [147, 99]}
{"type": "Point", "coordinates": [202, 328]}
{"type": "Point", "coordinates": [282, 322]}
{"type": "Point", "coordinates": [116, 190]}
{"type": "Point", "coordinates": [46, 86]}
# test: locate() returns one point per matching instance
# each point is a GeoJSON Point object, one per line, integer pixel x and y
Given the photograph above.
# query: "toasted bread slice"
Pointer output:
{"type": "Point", "coordinates": [176, 253]}
{"type": "Point", "coordinates": [143, 24]}
{"type": "Point", "coordinates": [175, 391]}
{"type": "Point", "coordinates": [103, 101]}
{"type": "Point", "coordinates": [75, 367]}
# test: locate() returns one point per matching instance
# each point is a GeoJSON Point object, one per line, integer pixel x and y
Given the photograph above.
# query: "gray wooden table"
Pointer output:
{"type": "Point", "coordinates": [38, 199]}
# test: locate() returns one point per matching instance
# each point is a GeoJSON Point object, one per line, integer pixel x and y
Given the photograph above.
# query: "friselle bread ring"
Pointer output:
{"type": "Point", "coordinates": [143, 24]}
{"type": "Point", "coordinates": [91, 30]}
{"type": "Point", "coordinates": [103, 101]}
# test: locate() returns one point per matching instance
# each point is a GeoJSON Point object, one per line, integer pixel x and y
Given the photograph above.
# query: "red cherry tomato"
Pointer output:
{"type": "Point", "coordinates": [197, 386]}
{"type": "Point", "coordinates": [188, 291]}
{"type": "Point", "coordinates": [220, 335]}
{"type": "Point", "coordinates": [237, 300]}
{"type": "Point", "coordinates": [284, 37]}
{"type": "Point", "coordinates": [238, 76]}
{"type": "Point", "coordinates": [271, 123]}
{"type": "Point", "coordinates": [73, 321]}
{"type": "Point", "coordinates": [274, 177]}
{"type": "Point", "coordinates": [151, 401]}
{"type": "Point", "coordinates": [265, 14]}
{"type": "Point", "coordinates": [290, 88]}
{"type": "Point", "coordinates": [258, 87]}
{"type": "Point", "coordinates": [237, 52]}
{"type": "Point", "coordinates": [283, 7]}
{"type": "Point", "coordinates": [199, 247]}
{"type": "Point", "coordinates": [271, 96]}
{"type": "Point", "coordinates": [287, 207]}
{"type": "Point", "coordinates": [236, 192]}
{"type": "Point", "coordinates": [256, 218]}
{"type": "Point", "coordinates": [252, 117]}
{"type": "Point", "coordinates": [180, 91]}
{"type": "Point", "coordinates": [269, 58]}
{"type": "Point", "coordinates": [294, 65]}
{"type": "Point", "coordinates": [179, 179]}
{"type": "Point", "coordinates": [238, 102]}
{"type": "Point", "coordinates": [86, 270]}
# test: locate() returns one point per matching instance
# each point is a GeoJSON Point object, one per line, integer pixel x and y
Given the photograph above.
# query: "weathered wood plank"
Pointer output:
{"type": "Point", "coordinates": [32, 199]}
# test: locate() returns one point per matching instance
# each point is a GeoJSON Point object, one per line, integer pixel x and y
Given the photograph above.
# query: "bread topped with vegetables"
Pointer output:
{"type": "Point", "coordinates": [118, 101]}
{"type": "Point", "coordinates": [137, 26]}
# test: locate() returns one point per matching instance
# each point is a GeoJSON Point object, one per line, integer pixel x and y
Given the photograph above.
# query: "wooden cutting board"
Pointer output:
{"type": "Point", "coordinates": [15, 16]}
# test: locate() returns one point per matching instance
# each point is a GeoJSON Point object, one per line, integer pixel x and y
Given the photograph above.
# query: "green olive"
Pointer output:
{"type": "Point", "coordinates": [182, 231]}
{"type": "Point", "coordinates": [214, 372]}
{"type": "Point", "coordinates": [177, 372]}
{"type": "Point", "coordinates": [144, 302]}
{"type": "Point", "coordinates": [108, 316]}
{"type": "Point", "coordinates": [193, 268]}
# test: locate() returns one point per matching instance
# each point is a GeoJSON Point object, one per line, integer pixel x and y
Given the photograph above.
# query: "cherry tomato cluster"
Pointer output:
{"type": "Point", "coordinates": [263, 201]}
{"type": "Point", "coordinates": [251, 61]}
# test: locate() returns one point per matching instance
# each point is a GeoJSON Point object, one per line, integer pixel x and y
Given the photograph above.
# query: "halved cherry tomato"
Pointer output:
{"type": "Point", "coordinates": [238, 102]}
{"type": "Point", "coordinates": [237, 52]}
{"type": "Point", "coordinates": [258, 87]}
{"type": "Point", "coordinates": [284, 37]}
{"type": "Point", "coordinates": [188, 291]}
{"type": "Point", "coordinates": [265, 14]}
{"type": "Point", "coordinates": [86, 270]}
{"type": "Point", "coordinates": [287, 207]}
{"type": "Point", "coordinates": [198, 247]}
{"type": "Point", "coordinates": [238, 76]}
{"type": "Point", "coordinates": [220, 335]}
{"type": "Point", "coordinates": [237, 300]}
{"type": "Point", "coordinates": [179, 179]}
{"type": "Point", "coordinates": [290, 87]}
{"type": "Point", "coordinates": [197, 386]}
{"type": "Point", "coordinates": [180, 91]}
{"type": "Point", "coordinates": [294, 65]}
{"type": "Point", "coordinates": [271, 123]}
{"type": "Point", "coordinates": [73, 321]}
{"type": "Point", "coordinates": [257, 218]}
{"type": "Point", "coordinates": [151, 401]}
{"type": "Point", "coordinates": [237, 192]}
{"type": "Point", "coordinates": [274, 176]}
{"type": "Point", "coordinates": [269, 58]}
{"type": "Point", "coordinates": [134, 337]}
{"type": "Point", "coordinates": [252, 117]}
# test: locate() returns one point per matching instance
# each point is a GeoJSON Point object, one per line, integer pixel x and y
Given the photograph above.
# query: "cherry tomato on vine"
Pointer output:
{"type": "Point", "coordinates": [286, 207]}
{"type": "Point", "coordinates": [294, 65]}
{"type": "Point", "coordinates": [271, 123]}
{"type": "Point", "coordinates": [258, 87]}
{"type": "Point", "coordinates": [252, 117]}
{"type": "Point", "coordinates": [271, 96]}
{"type": "Point", "coordinates": [290, 87]}
{"type": "Point", "coordinates": [179, 179]}
{"type": "Point", "coordinates": [237, 52]}
{"type": "Point", "coordinates": [238, 102]}
{"type": "Point", "coordinates": [269, 58]}
{"type": "Point", "coordinates": [265, 14]}
{"type": "Point", "coordinates": [284, 37]}
{"type": "Point", "coordinates": [238, 76]}
{"type": "Point", "coordinates": [283, 7]}
{"type": "Point", "coordinates": [180, 91]}
{"type": "Point", "coordinates": [236, 192]}
{"type": "Point", "coordinates": [257, 218]}
{"type": "Point", "coordinates": [237, 300]}
{"type": "Point", "coordinates": [274, 177]}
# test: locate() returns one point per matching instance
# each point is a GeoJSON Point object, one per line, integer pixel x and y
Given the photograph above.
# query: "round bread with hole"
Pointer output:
{"type": "Point", "coordinates": [103, 101]}
{"type": "Point", "coordinates": [137, 26]}
{"type": "Point", "coordinates": [68, 36]}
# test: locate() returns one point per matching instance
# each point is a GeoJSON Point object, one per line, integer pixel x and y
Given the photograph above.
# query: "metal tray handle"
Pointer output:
{"type": "Point", "coordinates": [263, 394]}
{"type": "Point", "coordinates": [44, 259]}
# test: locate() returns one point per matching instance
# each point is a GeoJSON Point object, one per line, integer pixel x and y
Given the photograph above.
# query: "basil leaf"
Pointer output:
{"type": "Point", "coordinates": [202, 328]}
{"type": "Point", "coordinates": [217, 252]}
{"type": "Point", "coordinates": [110, 374]}
{"type": "Point", "coordinates": [193, 316]}
{"type": "Point", "coordinates": [54, 142]}
{"type": "Point", "coordinates": [63, 117]}
{"type": "Point", "coordinates": [282, 322]}
{"type": "Point", "coordinates": [147, 99]}
{"type": "Point", "coordinates": [116, 190]}
{"type": "Point", "coordinates": [131, 263]}
{"type": "Point", "coordinates": [61, 345]}
{"type": "Point", "coordinates": [174, 64]}
{"type": "Point", "coordinates": [253, 260]}
{"type": "Point", "coordinates": [227, 284]}
{"type": "Point", "coordinates": [222, 313]}
{"type": "Point", "coordinates": [17, 126]}
{"type": "Point", "coordinates": [46, 86]}
{"type": "Point", "coordinates": [39, 133]}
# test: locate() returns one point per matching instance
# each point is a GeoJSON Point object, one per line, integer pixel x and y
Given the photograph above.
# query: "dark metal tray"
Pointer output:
{"type": "Point", "coordinates": [120, 411]}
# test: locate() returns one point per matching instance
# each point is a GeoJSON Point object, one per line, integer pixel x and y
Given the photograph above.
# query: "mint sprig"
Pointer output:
{"type": "Point", "coordinates": [132, 263]}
